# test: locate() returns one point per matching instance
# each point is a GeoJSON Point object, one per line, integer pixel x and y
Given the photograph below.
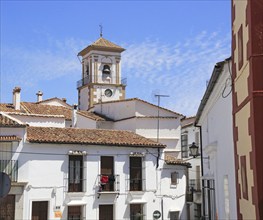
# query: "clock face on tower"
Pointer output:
{"type": "Point", "coordinates": [108, 92]}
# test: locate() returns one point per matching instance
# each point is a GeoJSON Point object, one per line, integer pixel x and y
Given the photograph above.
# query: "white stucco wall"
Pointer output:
{"type": "Point", "coordinates": [117, 110]}
{"type": "Point", "coordinates": [84, 122]}
{"type": "Point", "coordinates": [143, 109]}
{"type": "Point", "coordinates": [47, 180]}
{"type": "Point", "coordinates": [55, 102]}
{"type": "Point", "coordinates": [84, 98]}
{"type": "Point", "coordinates": [40, 121]}
{"type": "Point", "coordinates": [217, 137]}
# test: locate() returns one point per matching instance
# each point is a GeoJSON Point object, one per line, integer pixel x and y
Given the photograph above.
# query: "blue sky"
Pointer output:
{"type": "Point", "coordinates": [171, 46]}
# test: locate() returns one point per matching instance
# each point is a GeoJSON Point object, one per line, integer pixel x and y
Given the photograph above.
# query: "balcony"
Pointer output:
{"type": "Point", "coordinates": [108, 184]}
{"type": "Point", "coordinates": [10, 167]}
{"type": "Point", "coordinates": [189, 196]}
{"type": "Point", "coordinates": [102, 80]}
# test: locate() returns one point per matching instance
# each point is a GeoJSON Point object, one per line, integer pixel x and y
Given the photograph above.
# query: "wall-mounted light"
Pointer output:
{"type": "Point", "coordinates": [194, 150]}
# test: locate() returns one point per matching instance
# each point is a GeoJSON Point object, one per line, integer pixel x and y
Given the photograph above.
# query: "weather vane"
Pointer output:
{"type": "Point", "coordinates": [100, 30]}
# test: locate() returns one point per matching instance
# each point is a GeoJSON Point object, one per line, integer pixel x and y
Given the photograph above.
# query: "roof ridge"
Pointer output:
{"type": "Point", "coordinates": [138, 99]}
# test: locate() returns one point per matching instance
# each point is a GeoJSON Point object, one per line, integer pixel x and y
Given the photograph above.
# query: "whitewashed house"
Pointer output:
{"type": "Point", "coordinates": [214, 117]}
{"type": "Point", "coordinates": [68, 173]}
{"type": "Point", "coordinates": [189, 134]}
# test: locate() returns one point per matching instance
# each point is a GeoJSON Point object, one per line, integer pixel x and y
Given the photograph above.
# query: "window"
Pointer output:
{"type": "Point", "coordinates": [135, 173]}
{"type": "Point", "coordinates": [240, 47]}
{"type": "Point", "coordinates": [136, 211]}
{"type": "Point", "coordinates": [75, 173]}
{"type": "Point", "coordinates": [184, 145]}
{"type": "Point", "coordinates": [87, 70]}
{"type": "Point", "coordinates": [192, 184]}
{"type": "Point", "coordinates": [174, 178]}
{"type": "Point", "coordinates": [197, 138]}
{"type": "Point", "coordinates": [107, 178]}
{"type": "Point", "coordinates": [174, 215]}
{"type": "Point", "coordinates": [75, 213]}
{"type": "Point", "coordinates": [105, 212]}
{"type": "Point", "coordinates": [197, 210]}
{"type": "Point", "coordinates": [7, 165]}
{"type": "Point", "coordinates": [244, 177]}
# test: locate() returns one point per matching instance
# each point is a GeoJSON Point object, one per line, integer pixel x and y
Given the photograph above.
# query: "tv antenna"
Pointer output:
{"type": "Point", "coordinates": [158, 96]}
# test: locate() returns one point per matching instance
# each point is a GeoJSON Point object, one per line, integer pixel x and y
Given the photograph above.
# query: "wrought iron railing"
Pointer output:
{"type": "Point", "coordinates": [105, 80]}
{"type": "Point", "coordinates": [10, 167]}
{"type": "Point", "coordinates": [108, 183]}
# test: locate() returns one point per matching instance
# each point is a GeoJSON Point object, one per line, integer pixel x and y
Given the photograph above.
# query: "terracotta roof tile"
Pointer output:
{"type": "Point", "coordinates": [8, 107]}
{"type": "Point", "coordinates": [101, 44]}
{"type": "Point", "coordinates": [8, 122]}
{"type": "Point", "coordinates": [54, 99]}
{"type": "Point", "coordinates": [174, 161]}
{"type": "Point", "coordinates": [93, 115]}
{"type": "Point", "coordinates": [187, 121]}
{"type": "Point", "coordinates": [35, 108]}
{"type": "Point", "coordinates": [8, 138]}
{"type": "Point", "coordinates": [88, 136]}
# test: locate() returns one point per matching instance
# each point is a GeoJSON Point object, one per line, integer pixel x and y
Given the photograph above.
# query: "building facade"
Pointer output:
{"type": "Point", "coordinates": [214, 118]}
{"type": "Point", "coordinates": [189, 134]}
{"type": "Point", "coordinates": [72, 173]}
{"type": "Point", "coordinates": [247, 62]}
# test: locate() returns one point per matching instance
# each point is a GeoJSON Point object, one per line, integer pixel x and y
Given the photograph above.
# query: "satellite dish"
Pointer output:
{"type": "Point", "coordinates": [5, 184]}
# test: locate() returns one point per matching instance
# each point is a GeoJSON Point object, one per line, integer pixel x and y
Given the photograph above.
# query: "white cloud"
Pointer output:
{"type": "Point", "coordinates": [179, 70]}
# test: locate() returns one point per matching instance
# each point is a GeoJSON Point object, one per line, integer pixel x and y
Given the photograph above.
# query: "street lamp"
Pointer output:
{"type": "Point", "coordinates": [194, 150]}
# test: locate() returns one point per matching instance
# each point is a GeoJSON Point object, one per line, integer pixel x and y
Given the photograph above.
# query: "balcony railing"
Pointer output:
{"type": "Point", "coordinates": [101, 79]}
{"type": "Point", "coordinates": [108, 183]}
{"type": "Point", "coordinates": [10, 167]}
{"type": "Point", "coordinates": [189, 196]}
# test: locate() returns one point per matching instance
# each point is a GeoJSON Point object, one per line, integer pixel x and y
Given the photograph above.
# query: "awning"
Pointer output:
{"type": "Point", "coordinates": [137, 201]}
{"type": "Point", "coordinates": [76, 202]}
{"type": "Point", "coordinates": [174, 209]}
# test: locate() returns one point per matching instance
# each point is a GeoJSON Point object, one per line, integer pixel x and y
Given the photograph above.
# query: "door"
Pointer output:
{"type": "Point", "coordinates": [106, 212]}
{"type": "Point", "coordinates": [7, 208]}
{"type": "Point", "coordinates": [39, 210]}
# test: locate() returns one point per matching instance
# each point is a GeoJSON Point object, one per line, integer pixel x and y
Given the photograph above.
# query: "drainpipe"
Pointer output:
{"type": "Point", "coordinates": [16, 98]}
{"type": "Point", "coordinates": [162, 207]}
{"type": "Point", "coordinates": [202, 168]}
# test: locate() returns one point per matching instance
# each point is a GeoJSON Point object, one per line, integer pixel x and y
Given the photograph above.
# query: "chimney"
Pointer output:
{"type": "Point", "coordinates": [39, 96]}
{"type": "Point", "coordinates": [64, 100]}
{"type": "Point", "coordinates": [16, 98]}
{"type": "Point", "coordinates": [74, 115]}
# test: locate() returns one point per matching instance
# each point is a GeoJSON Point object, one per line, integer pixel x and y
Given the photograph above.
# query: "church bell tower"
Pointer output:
{"type": "Point", "coordinates": [101, 74]}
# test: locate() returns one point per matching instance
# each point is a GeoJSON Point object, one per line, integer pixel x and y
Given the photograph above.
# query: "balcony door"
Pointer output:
{"type": "Point", "coordinates": [75, 173]}
{"type": "Point", "coordinates": [106, 212]}
{"type": "Point", "coordinates": [107, 173]}
{"type": "Point", "coordinates": [135, 174]}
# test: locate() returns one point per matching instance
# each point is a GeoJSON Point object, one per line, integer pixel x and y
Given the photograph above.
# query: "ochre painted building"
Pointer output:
{"type": "Point", "coordinates": [247, 57]}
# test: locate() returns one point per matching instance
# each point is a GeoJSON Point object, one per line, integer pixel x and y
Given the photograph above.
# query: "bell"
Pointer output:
{"type": "Point", "coordinates": [106, 69]}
